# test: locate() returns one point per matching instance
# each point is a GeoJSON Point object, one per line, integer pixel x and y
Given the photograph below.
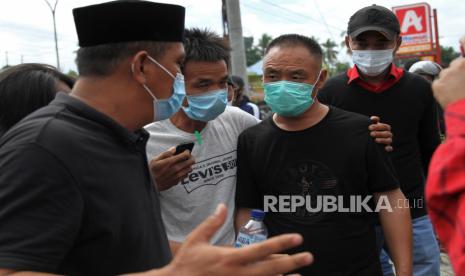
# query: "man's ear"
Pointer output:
{"type": "Point", "coordinates": [137, 67]}
{"type": "Point", "coordinates": [322, 79]}
{"type": "Point", "coordinates": [347, 40]}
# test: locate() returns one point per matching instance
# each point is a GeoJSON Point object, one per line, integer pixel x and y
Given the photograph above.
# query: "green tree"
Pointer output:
{"type": "Point", "coordinates": [329, 54]}
{"type": "Point", "coordinates": [263, 42]}
{"type": "Point", "coordinates": [340, 67]}
{"type": "Point", "coordinates": [251, 52]}
{"type": "Point", "coordinates": [73, 74]}
{"type": "Point", "coordinates": [448, 54]}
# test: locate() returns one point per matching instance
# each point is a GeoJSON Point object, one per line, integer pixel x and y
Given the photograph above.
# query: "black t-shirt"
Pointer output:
{"type": "Point", "coordinates": [409, 107]}
{"type": "Point", "coordinates": [335, 157]}
{"type": "Point", "coordinates": [76, 195]}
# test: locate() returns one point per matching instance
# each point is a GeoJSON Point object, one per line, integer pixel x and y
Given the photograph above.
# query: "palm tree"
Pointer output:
{"type": "Point", "coordinates": [263, 43]}
{"type": "Point", "coordinates": [330, 53]}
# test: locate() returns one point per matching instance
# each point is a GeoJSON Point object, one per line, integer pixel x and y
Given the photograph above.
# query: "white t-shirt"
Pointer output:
{"type": "Point", "coordinates": [213, 179]}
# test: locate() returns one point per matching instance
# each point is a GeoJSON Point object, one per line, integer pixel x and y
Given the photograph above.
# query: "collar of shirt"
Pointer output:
{"type": "Point", "coordinates": [395, 74]}
{"type": "Point", "coordinates": [136, 139]}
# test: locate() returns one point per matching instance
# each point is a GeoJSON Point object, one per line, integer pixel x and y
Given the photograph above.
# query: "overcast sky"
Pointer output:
{"type": "Point", "coordinates": [26, 25]}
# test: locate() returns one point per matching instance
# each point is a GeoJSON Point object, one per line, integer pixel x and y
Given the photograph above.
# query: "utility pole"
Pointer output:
{"type": "Point", "coordinates": [238, 60]}
{"type": "Point", "coordinates": [224, 16]}
{"type": "Point", "coordinates": [22, 59]}
{"type": "Point", "coordinates": [6, 58]}
{"type": "Point", "coordinates": [436, 34]}
{"type": "Point", "coordinates": [53, 9]}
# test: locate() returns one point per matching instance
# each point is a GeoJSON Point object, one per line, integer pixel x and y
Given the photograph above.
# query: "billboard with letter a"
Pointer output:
{"type": "Point", "coordinates": [415, 28]}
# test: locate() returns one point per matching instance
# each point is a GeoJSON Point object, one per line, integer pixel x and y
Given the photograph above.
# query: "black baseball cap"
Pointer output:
{"type": "Point", "coordinates": [374, 18]}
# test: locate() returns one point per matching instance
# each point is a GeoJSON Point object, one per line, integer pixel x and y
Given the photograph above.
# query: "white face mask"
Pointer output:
{"type": "Point", "coordinates": [372, 62]}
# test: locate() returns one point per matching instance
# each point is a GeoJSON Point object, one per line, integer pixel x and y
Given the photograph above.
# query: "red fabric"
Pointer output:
{"type": "Point", "coordinates": [394, 76]}
{"type": "Point", "coordinates": [445, 188]}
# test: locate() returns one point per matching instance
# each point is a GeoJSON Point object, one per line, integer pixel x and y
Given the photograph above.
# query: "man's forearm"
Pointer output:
{"type": "Point", "coordinates": [397, 229]}
{"type": "Point", "coordinates": [166, 271]}
{"type": "Point", "coordinates": [8, 272]}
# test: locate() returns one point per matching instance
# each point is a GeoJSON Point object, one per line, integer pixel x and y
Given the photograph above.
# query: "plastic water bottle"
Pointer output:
{"type": "Point", "coordinates": [253, 231]}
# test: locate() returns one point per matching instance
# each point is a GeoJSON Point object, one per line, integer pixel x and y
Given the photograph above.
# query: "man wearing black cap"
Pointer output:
{"type": "Point", "coordinates": [375, 86]}
{"type": "Point", "coordinates": [76, 196]}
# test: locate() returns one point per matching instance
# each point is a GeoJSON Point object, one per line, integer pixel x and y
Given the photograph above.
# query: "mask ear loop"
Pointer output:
{"type": "Point", "coordinates": [161, 66]}
{"type": "Point", "coordinates": [143, 85]}
{"type": "Point", "coordinates": [150, 92]}
{"type": "Point", "coordinates": [317, 79]}
{"type": "Point", "coordinates": [146, 88]}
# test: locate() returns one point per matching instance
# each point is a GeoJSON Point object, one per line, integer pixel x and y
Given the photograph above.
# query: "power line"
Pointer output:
{"type": "Point", "coordinates": [274, 15]}
{"type": "Point", "coordinates": [324, 20]}
{"type": "Point", "coordinates": [298, 14]}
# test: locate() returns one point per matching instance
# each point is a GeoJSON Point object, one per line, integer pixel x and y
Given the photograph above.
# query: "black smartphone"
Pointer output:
{"type": "Point", "coordinates": [184, 146]}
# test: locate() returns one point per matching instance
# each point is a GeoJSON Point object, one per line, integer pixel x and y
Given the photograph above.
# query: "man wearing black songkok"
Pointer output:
{"type": "Point", "coordinates": [76, 196]}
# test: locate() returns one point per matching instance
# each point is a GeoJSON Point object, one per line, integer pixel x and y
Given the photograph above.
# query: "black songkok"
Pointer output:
{"type": "Point", "coordinates": [128, 20]}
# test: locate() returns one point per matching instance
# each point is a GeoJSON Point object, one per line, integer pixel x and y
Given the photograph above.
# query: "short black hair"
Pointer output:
{"type": "Point", "coordinates": [25, 88]}
{"type": "Point", "coordinates": [205, 45]}
{"type": "Point", "coordinates": [410, 62]}
{"type": "Point", "coordinates": [238, 81]}
{"type": "Point", "coordinates": [102, 60]}
{"type": "Point", "coordinates": [291, 40]}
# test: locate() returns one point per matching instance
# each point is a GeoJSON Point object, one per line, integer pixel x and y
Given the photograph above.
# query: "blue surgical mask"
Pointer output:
{"type": "Point", "coordinates": [208, 106]}
{"type": "Point", "coordinates": [165, 108]}
{"type": "Point", "coordinates": [288, 98]}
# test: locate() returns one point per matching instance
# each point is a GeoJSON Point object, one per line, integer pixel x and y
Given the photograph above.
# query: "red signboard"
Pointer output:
{"type": "Point", "coordinates": [415, 28]}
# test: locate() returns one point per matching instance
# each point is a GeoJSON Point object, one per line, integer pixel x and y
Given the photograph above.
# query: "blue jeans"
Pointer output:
{"type": "Point", "coordinates": [426, 257]}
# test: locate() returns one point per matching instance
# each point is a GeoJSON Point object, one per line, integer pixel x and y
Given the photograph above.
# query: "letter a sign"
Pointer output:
{"type": "Point", "coordinates": [415, 28]}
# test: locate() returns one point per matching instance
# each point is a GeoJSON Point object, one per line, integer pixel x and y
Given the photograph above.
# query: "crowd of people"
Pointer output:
{"type": "Point", "coordinates": [91, 182]}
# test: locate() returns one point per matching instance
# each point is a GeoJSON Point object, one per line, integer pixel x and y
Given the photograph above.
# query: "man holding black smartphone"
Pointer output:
{"type": "Point", "coordinates": [213, 127]}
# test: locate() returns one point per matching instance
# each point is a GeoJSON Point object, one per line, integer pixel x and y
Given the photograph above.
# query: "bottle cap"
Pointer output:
{"type": "Point", "coordinates": [257, 214]}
